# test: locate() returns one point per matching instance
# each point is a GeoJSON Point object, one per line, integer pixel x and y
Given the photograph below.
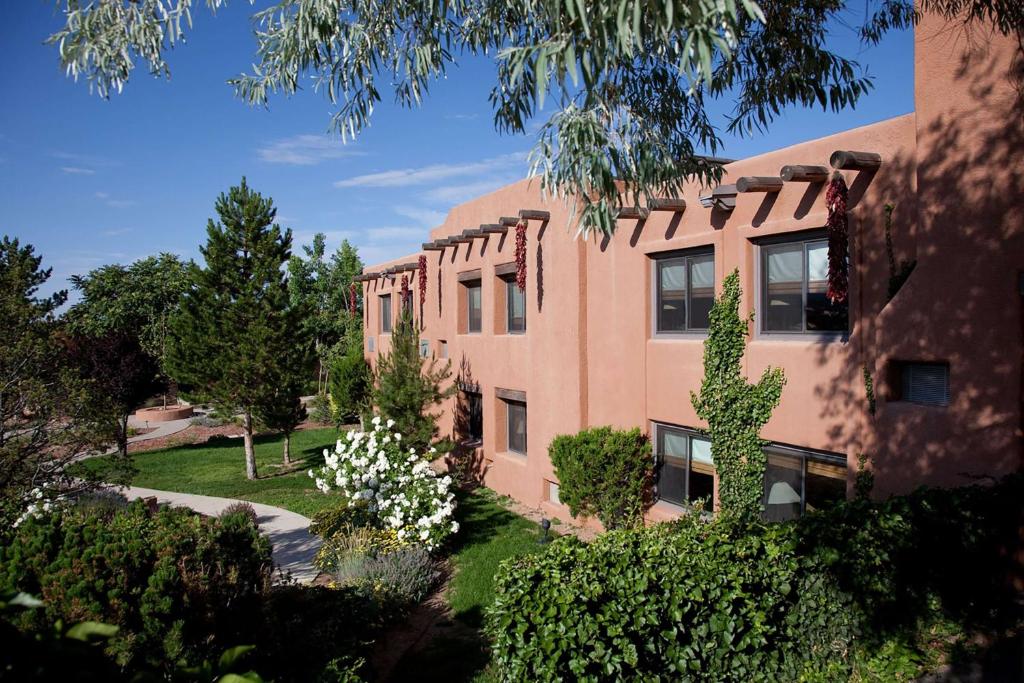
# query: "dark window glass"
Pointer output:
{"type": "Point", "coordinates": [685, 291]}
{"type": "Point", "coordinates": [795, 484]}
{"type": "Point", "coordinates": [474, 314]}
{"type": "Point", "coordinates": [515, 303]}
{"type": "Point", "coordinates": [516, 426]}
{"type": "Point", "coordinates": [474, 416]}
{"type": "Point", "coordinates": [407, 304]}
{"type": "Point", "coordinates": [794, 289]}
{"type": "Point", "coordinates": [924, 383]}
{"type": "Point", "coordinates": [385, 314]}
{"type": "Point", "coordinates": [684, 471]}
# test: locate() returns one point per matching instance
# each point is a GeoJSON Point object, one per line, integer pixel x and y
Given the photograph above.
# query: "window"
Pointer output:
{"type": "Point", "coordinates": [684, 472]}
{"type": "Point", "coordinates": [407, 304]}
{"type": "Point", "coordinates": [515, 307]}
{"type": "Point", "coordinates": [924, 383]}
{"type": "Point", "coordinates": [424, 348]}
{"type": "Point", "coordinates": [798, 481]}
{"type": "Point", "coordinates": [370, 345]}
{"type": "Point", "coordinates": [553, 491]}
{"type": "Point", "coordinates": [385, 314]}
{"type": "Point", "coordinates": [442, 348]}
{"type": "Point", "coordinates": [684, 292]}
{"type": "Point", "coordinates": [472, 423]}
{"type": "Point", "coordinates": [794, 281]}
{"type": "Point", "coordinates": [516, 423]}
{"type": "Point", "coordinates": [473, 307]}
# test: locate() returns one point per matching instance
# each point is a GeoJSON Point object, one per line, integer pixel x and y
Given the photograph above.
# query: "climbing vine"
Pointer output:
{"type": "Point", "coordinates": [734, 409]}
{"type": "Point", "coordinates": [869, 389]}
{"type": "Point", "coordinates": [897, 276]}
{"type": "Point", "coordinates": [838, 240]}
{"type": "Point", "coordinates": [521, 255]}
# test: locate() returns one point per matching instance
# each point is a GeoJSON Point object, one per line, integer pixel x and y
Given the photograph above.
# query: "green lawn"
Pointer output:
{"type": "Point", "coordinates": [489, 534]}
{"type": "Point", "coordinates": [218, 469]}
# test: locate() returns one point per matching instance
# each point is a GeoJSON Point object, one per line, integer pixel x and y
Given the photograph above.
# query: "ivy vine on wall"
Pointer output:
{"type": "Point", "coordinates": [734, 409]}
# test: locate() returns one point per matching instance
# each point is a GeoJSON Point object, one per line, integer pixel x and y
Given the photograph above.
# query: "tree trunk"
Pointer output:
{"type": "Point", "coordinates": [250, 453]}
{"type": "Point", "coordinates": [288, 448]}
{"type": "Point", "coordinates": [122, 437]}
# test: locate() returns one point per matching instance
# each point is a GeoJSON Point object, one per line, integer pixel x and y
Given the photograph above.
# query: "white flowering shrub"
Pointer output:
{"type": "Point", "coordinates": [397, 484]}
{"type": "Point", "coordinates": [37, 503]}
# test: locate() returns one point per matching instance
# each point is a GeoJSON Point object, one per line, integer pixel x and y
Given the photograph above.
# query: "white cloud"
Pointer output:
{"type": "Point", "coordinates": [114, 232]}
{"type": "Point", "coordinates": [389, 233]}
{"type": "Point", "coordinates": [461, 117]}
{"type": "Point", "coordinates": [458, 193]}
{"type": "Point", "coordinates": [421, 214]}
{"type": "Point", "coordinates": [77, 170]}
{"type": "Point", "coordinates": [114, 203]}
{"type": "Point", "coordinates": [429, 174]}
{"type": "Point", "coordinates": [305, 150]}
{"type": "Point", "coordinates": [84, 160]}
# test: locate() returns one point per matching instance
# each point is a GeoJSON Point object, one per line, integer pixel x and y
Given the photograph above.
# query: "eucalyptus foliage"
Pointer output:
{"type": "Point", "coordinates": [734, 409]}
{"type": "Point", "coordinates": [628, 82]}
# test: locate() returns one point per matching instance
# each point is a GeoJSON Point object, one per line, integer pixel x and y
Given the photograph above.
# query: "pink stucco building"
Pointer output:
{"type": "Point", "coordinates": [611, 331]}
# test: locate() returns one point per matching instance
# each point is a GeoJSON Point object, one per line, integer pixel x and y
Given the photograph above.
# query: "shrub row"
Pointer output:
{"type": "Point", "coordinates": [850, 591]}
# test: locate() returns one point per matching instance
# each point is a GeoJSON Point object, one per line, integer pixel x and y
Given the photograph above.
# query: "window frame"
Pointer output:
{"type": "Point", "coordinates": [509, 403]}
{"type": "Point", "coordinates": [657, 428]}
{"type": "Point", "coordinates": [899, 380]}
{"type": "Point", "coordinates": [473, 439]}
{"type": "Point", "coordinates": [657, 261]}
{"type": "Point", "coordinates": [805, 456]}
{"type": "Point", "coordinates": [511, 289]}
{"type": "Point", "coordinates": [470, 285]}
{"type": "Point", "coordinates": [763, 247]}
{"type": "Point", "coordinates": [389, 319]}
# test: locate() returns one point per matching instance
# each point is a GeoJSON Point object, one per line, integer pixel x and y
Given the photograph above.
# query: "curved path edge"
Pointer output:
{"type": "Point", "coordinates": [293, 546]}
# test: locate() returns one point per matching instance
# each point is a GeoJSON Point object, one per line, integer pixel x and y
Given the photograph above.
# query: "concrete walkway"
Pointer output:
{"type": "Point", "coordinates": [293, 546]}
{"type": "Point", "coordinates": [162, 428]}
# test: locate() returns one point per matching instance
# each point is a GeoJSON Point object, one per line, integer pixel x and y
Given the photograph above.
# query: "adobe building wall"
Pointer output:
{"type": "Point", "coordinates": [954, 173]}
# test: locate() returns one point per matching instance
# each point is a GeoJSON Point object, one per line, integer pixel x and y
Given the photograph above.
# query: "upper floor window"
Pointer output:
{"type": "Point", "coordinates": [386, 319]}
{"type": "Point", "coordinates": [797, 481]}
{"type": "Point", "coordinates": [515, 307]}
{"type": "Point", "coordinates": [923, 383]}
{"type": "Point", "coordinates": [794, 282]}
{"type": "Point", "coordinates": [684, 292]}
{"type": "Point", "coordinates": [474, 307]}
{"type": "Point", "coordinates": [684, 471]}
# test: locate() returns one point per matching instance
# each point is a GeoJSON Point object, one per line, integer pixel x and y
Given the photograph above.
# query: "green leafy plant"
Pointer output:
{"type": "Point", "coordinates": [864, 480]}
{"type": "Point", "coordinates": [605, 473]}
{"type": "Point", "coordinates": [690, 601]}
{"type": "Point", "coordinates": [734, 409]}
{"type": "Point", "coordinates": [869, 389]}
{"type": "Point", "coordinates": [350, 378]}
{"type": "Point", "coordinates": [177, 585]}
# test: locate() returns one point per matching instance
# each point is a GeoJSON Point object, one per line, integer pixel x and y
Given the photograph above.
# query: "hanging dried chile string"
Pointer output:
{"type": "Point", "coordinates": [521, 255]}
{"type": "Point", "coordinates": [838, 240]}
{"type": "Point", "coordinates": [352, 298]}
{"type": "Point", "coordinates": [423, 280]}
{"type": "Point", "coordinates": [405, 291]}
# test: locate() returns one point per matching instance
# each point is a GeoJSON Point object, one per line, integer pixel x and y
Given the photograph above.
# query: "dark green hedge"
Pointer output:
{"type": "Point", "coordinates": [604, 473]}
{"type": "Point", "coordinates": [690, 601]}
{"type": "Point", "coordinates": [179, 586]}
{"type": "Point", "coordinates": [858, 590]}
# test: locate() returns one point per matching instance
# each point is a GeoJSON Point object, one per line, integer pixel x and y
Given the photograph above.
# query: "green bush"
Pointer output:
{"type": "Point", "coordinates": [179, 586]}
{"type": "Point", "coordinates": [605, 473]}
{"type": "Point", "coordinates": [689, 601]}
{"type": "Point", "coordinates": [340, 518]}
{"type": "Point", "coordinates": [246, 510]}
{"type": "Point", "coordinates": [350, 379]}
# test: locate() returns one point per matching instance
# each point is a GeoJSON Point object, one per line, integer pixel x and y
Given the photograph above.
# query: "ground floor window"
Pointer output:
{"type": "Point", "coordinates": [684, 471]}
{"type": "Point", "coordinates": [798, 481]}
{"type": "Point", "coordinates": [471, 417]}
{"type": "Point", "coordinates": [516, 419]}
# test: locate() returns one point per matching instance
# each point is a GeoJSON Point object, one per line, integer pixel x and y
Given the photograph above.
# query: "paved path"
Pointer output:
{"type": "Point", "coordinates": [162, 428]}
{"type": "Point", "coordinates": [294, 546]}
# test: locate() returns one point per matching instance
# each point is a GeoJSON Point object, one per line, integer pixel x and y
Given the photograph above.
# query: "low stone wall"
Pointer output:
{"type": "Point", "coordinates": [160, 414]}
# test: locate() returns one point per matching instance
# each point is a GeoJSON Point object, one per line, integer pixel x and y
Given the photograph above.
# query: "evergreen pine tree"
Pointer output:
{"type": "Point", "coordinates": [235, 336]}
{"type": "Point", "coordinates": [406, 388]}
{"type": "Point", "coordinates": [350, 376]}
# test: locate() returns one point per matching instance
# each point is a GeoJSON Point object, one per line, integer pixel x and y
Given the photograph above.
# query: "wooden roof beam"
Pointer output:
{"type": "Point", "coordinates": [632, 212]}
{"type": "Point", "coordinates": [510, 221]}
{"type": "Point", "coordinates": [798, 173]}
{"type": "Point", "coordinates": [855, 161]}
{"type": "Point", "coordinates": [472, 232]}
{"type": "Point", "coordinates": [491, 228]}
{"type": "Point", "coordinates": [676, 204]}
{"type": "Point", "coordinates": [722, 197]}
{"type": "Point", "coordinates": [432, 246]}
{"type": "Point", "coordinates": [533, 215]}
{"type": "Point", "coordinates": [759, 184]}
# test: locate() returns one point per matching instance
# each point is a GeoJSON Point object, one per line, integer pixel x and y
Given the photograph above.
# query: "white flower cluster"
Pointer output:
{"type": "Point", "coordinates": [36, 503]}
{"type": "Point", "coordinates": [396, 484]}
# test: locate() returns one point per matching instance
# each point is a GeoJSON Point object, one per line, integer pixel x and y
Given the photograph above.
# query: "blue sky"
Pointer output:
{"type": "Point", "coordinates": [92, 181]}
